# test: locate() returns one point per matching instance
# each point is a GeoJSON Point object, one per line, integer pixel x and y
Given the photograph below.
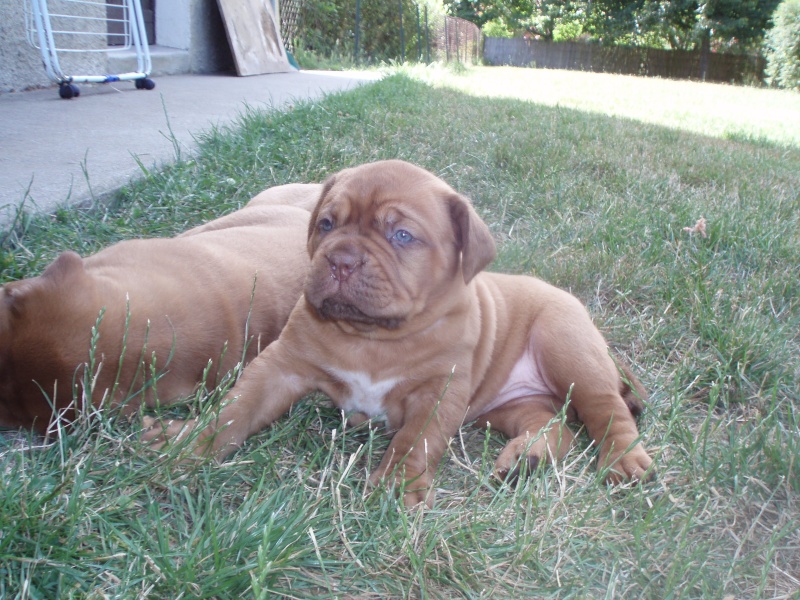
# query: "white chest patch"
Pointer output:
{"type": "Point", "coordinates": [366, 396]}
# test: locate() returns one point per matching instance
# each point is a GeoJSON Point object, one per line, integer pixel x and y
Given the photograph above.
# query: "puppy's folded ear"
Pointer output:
{"type": "Point", "coordinates": [68, 267]}
{"type": "Point", "coordinates": [68, 263]}
{"type": "Point", "coordinates": [312, 223]}
{"type": "Point", "coordinates": [473, 237]}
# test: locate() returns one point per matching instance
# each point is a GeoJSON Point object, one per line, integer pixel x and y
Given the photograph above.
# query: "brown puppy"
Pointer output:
{"type": "Point", "coordinates": [176, 305]}
{"type": "Point", "coordinates": [397, 322]}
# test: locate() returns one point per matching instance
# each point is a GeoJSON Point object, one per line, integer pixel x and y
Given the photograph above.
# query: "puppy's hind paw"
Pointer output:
{"type": "Point", "coordinates": [520, 457]}
{"type": "Point", "coordinates": [632, 466]}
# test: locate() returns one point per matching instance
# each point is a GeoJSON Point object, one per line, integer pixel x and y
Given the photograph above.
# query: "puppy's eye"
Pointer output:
{"type": "Point", "coordinates": [402, 237]}
{"type": "Point", "coordinates": [325, 225]}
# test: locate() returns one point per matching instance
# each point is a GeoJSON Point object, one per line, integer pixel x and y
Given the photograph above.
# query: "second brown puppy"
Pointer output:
{"type": "Point", "coordinates": [398, 323]}
{"type": "Point", "coordinates": [165, 309]}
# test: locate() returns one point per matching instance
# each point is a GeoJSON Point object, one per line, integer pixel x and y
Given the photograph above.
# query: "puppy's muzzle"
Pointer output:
{"type": "Point", "coordinates": [344, 262]}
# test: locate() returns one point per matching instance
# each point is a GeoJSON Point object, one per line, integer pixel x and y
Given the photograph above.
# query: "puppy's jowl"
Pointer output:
{"type": "Point", "coordinates": [399, 322]}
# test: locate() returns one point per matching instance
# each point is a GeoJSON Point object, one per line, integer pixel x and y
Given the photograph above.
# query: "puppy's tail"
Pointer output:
{"type": "Point", "coordinates": [631, 390]}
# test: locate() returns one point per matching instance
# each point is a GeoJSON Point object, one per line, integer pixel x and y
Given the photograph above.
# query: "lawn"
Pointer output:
{"type": "Point", "coordinates": [588, 181]}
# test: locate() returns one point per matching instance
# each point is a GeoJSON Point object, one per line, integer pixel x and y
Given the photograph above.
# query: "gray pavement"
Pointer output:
{"type": "Point", "coordinates": [48, 143]}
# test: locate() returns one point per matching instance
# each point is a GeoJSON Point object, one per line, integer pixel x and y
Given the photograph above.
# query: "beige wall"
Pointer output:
{"type": "Point", "coordinates": [20, 64]}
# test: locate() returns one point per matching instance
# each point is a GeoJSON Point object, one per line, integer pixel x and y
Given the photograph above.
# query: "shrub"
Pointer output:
{"type": "Point", "coordinates": [327, 29]}
{"type": "Point", "coordinates": [783, 46]}
{"type": "Point", "coordinates": [496, 29]}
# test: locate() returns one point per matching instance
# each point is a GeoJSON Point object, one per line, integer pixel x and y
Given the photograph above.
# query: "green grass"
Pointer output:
{"type": "Point", "coordinates": [725, 111]}
{"type": "Point", "coordinates": [589, 195]}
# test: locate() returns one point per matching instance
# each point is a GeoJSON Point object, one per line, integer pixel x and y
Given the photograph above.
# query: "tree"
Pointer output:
{"type": "Point", "coordinates": [744, 21]}
{"type": "Point", "coordinates": [731, 22]}
{"type": "Point", "coordinates": [675, 24]}
{"type": "Point", "coordinates": [783, 46]}
{"type": "Point", "coordinates": [536, 17]}
{"type": "Point", "coordinates": [551, 16]}
{"type": "Point", "coordinates": [476, 11]}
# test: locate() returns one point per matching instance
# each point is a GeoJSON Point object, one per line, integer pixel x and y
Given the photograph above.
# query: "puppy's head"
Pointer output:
{"type": "Point", "coordinates": [40, 319]}
{"type": "Point", "coordinates": [389, 242]}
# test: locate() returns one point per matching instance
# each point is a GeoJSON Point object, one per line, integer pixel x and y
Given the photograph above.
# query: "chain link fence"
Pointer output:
{"type": "Point", "coordinates": [460, 40]}
{"type": "Point", "coordinates": [371, 31]}
{"type": "Point", "coordinates": [290, 17]}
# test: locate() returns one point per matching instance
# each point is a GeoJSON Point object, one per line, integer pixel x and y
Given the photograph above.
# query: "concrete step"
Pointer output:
{"type": "Point", "coordinates": [165, 61]}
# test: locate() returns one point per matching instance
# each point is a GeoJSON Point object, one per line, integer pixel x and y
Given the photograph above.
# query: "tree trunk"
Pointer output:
{"type": "Point", "coordinates": [705, 51]}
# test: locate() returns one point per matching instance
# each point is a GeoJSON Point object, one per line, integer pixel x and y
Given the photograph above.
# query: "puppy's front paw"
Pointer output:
{"type": "Point", "coordinates": [632, 465]}
{"type": "Point", "coordinates": [160, 434]}
{"type": "Point", "coordinates": [417, 489]}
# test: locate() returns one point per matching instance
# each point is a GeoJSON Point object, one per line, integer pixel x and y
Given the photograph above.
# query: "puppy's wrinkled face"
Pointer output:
{"type": "Point", "coordinates": [383, 245]}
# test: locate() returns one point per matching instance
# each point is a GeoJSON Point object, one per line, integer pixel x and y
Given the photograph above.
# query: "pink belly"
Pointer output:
{"type": "Point", "coordinates": [524, 380]}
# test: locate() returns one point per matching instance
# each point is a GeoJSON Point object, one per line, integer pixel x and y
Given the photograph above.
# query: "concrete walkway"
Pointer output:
{"type": "Point", "coordinates": [48, 143]}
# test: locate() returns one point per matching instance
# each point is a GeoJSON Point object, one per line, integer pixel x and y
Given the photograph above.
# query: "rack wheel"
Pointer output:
{"type": "Point", "coordinates": [68, 90]}
{"type": "Point", "coordinates": [145, 84]}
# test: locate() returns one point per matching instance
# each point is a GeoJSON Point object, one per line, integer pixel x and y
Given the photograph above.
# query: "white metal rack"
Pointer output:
{"type": "Point", "coordinates": [57, 27]}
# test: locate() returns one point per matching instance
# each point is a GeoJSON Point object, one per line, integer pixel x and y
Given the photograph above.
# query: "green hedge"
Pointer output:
{"type": "Point", "coordinates": [783, 46]}
{"type": "Point", "coordinates": [328, 28]}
